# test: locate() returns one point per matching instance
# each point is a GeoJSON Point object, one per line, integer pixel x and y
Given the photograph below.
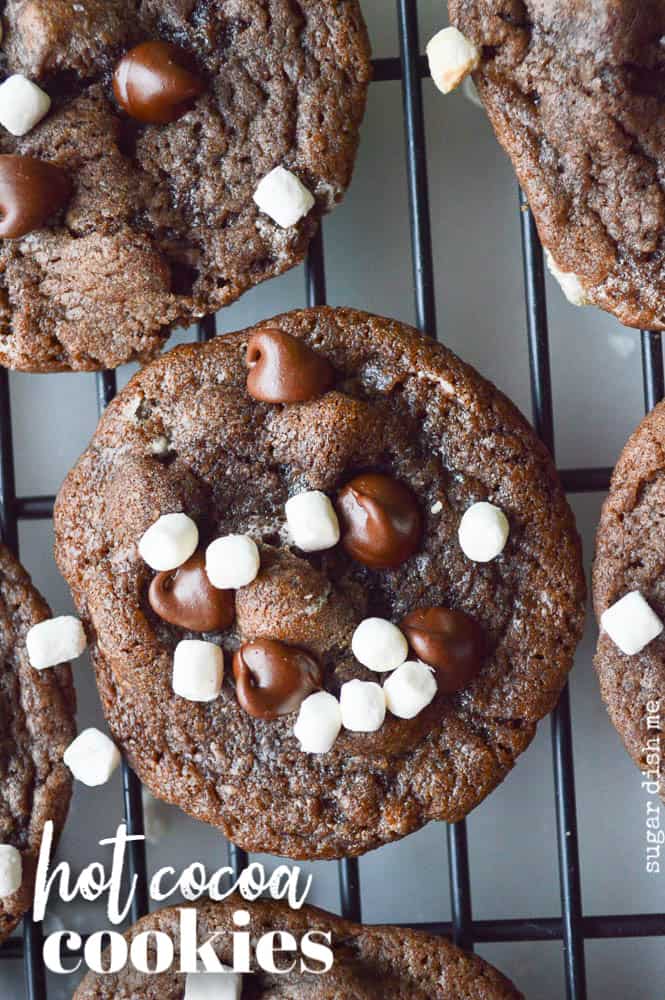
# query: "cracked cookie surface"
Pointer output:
{"type": "Point", "coordinates": [162, 227]}
{"type": "Point", "coordinates": [574, 91]}
{"type": "Point", "coordinates": [371, 963]}
{"type": "Point", "coordinates": [36, 725]}
{"type": "Point", "coordinates": [630, 556]}
{"type": "Point", "coordinates": [185, 435]}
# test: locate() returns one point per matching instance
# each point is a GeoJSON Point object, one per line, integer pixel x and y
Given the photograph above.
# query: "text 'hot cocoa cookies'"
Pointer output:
{"type": "Point", "coordinates": [267, 949]}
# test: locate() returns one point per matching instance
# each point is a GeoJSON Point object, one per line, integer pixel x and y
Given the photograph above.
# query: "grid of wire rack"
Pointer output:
{"type": "Point", "coordinates": [573, 927]}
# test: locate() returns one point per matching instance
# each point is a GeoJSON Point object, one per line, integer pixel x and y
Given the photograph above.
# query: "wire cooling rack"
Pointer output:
{"type": "Point", "coordinates": [573, 927]}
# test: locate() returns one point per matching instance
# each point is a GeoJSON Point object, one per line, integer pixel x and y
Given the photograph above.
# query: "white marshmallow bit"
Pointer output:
{"type": "Point", "coordinates": [232, 562]}
{"type": "Point", "coordinates": [452, 56]}
{"type": "Point", "coordinates": [571, 286]}
{"type": "Point", "coordinates": [470, 91]}
{"type": "Point", "coordinates": [319, 722]}
{"type": "Point", "coordinates": [363, 705]}
{"type": "Point", "coordinates": [312, 521]}
{"type": "Point", "coordinates": [283, 197]}
{"type": "Point", "coordinates": [11, 870]}
{"type": "Point", "coordinates": [198, 670]}
{"type": "Point", "coordinates": [54, 641]}
{"type": "Point", "coordinates": [92, 757]}
{"type": "Point", "coordinates": [169, 542]}
{"type": "Point", "coordinates": [483, 532]}
{"type": "Point", "coordinates": [410, 689]}
{"type": "Point", "coordinates": [22, 104]}
{"type": "Point", "coordinates": [631, 623]}
{"type": "Point", "coordinates": [225, 985]}
{"type": "Point", "coordinates": [157, 817]}
{"type": "Point", "coordinates": [379, 645]}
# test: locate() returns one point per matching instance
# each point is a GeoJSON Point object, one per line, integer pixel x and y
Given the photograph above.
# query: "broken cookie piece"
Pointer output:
{"type": "Point", "coordinates": [167, 124]}
{"type": "Point", "coordinates": [573, 90]}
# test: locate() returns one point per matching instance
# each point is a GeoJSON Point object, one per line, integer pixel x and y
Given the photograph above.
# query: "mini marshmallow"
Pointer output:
{"type": "Point", "coordinates": [22, 104]}
{"type": "Point", "coordinates": [570, 284]}
{"type": "Point", "coordinates": [169, 542]}
{"type": "Point", "coordinates": [198, 670]}
{"type": "Point", "coordinates": [225, 985]}
{"type": "Point", "coordinates": [631, 623]}
{"type": "Point", "coordinates": [92, 757]}
{"type": "Point", "coordinates": [319, 722]}
{"type": "Point", "coordinates": [379, 645]}
{"type": "Point", "coordinates": [363, 705]}
{"type": "Point", "coordinates": [157, 817]}
{"type": "Point", "coordinates": [11, 870]}
{"type": "Point", "coordinates": [232, 562]}
{"type": "Point", "coordinates": [410, 689]}
{"type": "Point", "coordinates": [312, 521]}
{"type": "Point", "coordinates": [470, 91]}
{"type": "Point", "coordinates": [283, 197]}
{"type": "Point", "coordinates": [483, 532]}
{"type": "Point", "coordinates": [54, 641]}
{"type": "Point", "coordinates": [452, 56]}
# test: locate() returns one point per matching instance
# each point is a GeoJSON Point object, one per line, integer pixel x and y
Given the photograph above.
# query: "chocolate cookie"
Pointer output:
{"type": "Point", "coordinates": [629, 595]}
{"type": "Point", "coordinates": [128, 201]}
{"type": "Point", "coordinates": [574, 92]}
{"type": "Point", "coordinates": [370, 963]}
{"type": "Point", "coordinates": [405, 504]}
{"type": "Point", "coordinates": [36, 725]}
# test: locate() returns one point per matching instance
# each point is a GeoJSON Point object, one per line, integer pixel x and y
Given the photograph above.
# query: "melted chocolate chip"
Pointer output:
{"type": "Point", "coordinates": [31, 192]}
{"type": "Point", "coordinates": [284, 369]}
{"type": "Point", "coordinates": [451, 641]}
{"type": "Point", "coordinates": [381, 520]}
{"type": "Point", "coordinates": [154, 83]}
{"type": "Point", "coordinates": [186, 597]}
{"type": "Point", "coordinates": [273, 679]}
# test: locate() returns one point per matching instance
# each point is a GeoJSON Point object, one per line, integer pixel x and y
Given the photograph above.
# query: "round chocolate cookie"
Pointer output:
{"type": "Point", "coordinates": [128, 205]}
{"type": "Point", "coordinates": [629, 596]}
{"type": "Point", "coordinates": [36, 725]}
{"type": "Point", "coordinates": [401, 522]}
{"type": "Point", "coordinates": [573, 90]}
{"type": "Point", "coordinates": [370, 963]}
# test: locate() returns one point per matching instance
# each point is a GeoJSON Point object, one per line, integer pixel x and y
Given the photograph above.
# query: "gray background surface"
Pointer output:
{"type": "Point", "coordinates": [598, 401]}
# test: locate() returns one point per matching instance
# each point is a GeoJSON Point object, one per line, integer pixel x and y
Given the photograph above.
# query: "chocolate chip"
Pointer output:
{"type": "Point", "coordinates": [155, 83]}
{"type": "Point", "coordinates": [273, 679]}
{"type": "Point", "coordinates": [381, 520]}
{"type": "Point", "coordinates": [451, 641]}
{"type": "Point", "coordinates": [186, 597]}
{"type": "Point", "coordinates": [284, 369]}
{"type": "Point", "coordinates": [31, 192]}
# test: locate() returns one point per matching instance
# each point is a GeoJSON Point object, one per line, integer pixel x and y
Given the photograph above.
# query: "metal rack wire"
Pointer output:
{"type": "Point", "coordinates": [573, 927]}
